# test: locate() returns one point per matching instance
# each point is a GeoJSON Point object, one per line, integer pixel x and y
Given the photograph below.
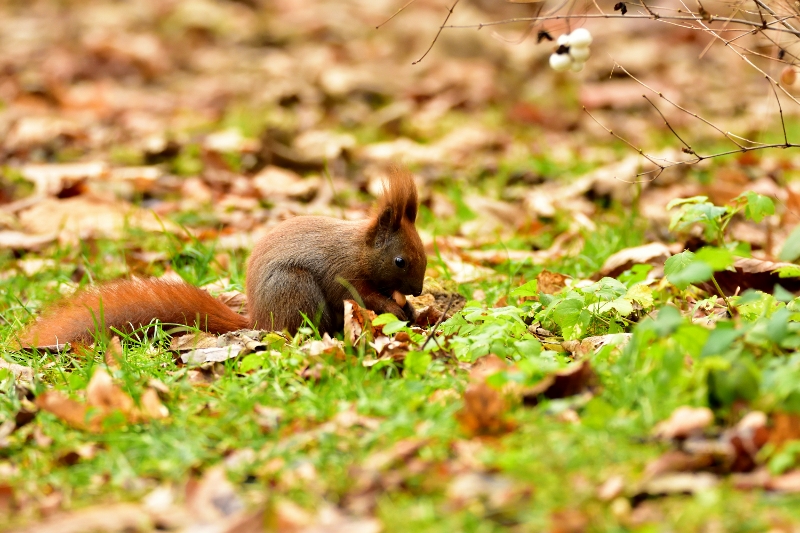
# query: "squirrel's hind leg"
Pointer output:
{"type": "Point", "coordinates": [288, 293]}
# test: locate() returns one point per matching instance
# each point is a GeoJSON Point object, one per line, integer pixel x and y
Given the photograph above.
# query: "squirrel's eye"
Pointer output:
{"type": "Point", "coordinates": [399, 262]}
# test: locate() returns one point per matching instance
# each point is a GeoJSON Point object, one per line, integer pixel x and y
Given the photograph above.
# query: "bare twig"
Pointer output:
{"type": "Point", "coordinates": [438, 33]}
{"type": "Point", "coordinates": [769, 10]}
{"type": "Point", "coordinates": [780, 111]}
{"type": "Point", "coordinates": [396, 13]}
{"type": "Point", "coordinates": [690, 113]}
{"type": "Point", "coordinates": [438, 322]}
{"type": "Point", "coordinates": [688, 18]}
{"type": "Point", "coordinates": [688, 149]}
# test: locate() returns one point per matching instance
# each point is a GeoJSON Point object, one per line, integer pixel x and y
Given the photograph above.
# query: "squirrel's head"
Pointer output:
{"type": "Point", "coordinates": [398, 259]}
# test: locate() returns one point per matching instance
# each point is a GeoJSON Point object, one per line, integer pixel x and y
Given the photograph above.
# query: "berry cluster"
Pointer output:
{"type": "Point", "coordinates": [572, 51]}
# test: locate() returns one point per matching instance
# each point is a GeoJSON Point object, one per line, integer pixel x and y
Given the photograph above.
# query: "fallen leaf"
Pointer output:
{"type": "Point", "coordinates": [272, 182]}
{"type": "Point", "coordinates": [108, 518]}
{"type": "Point", "coordinates": [575, 379]}
{"type": "Point", "coordinates": [484, 411]}
{"type": "Point", "coordinates": [753, 274]}
{"type": "Point", "coordinates": [68, 410]}
{"type": "Point", "coordinates": [589, 345]}
{"type": "Point", "coordinates": [151, 405]}
{"type": "Point", "coordinates": [568, 521]}
{"type": "Point", "coordinates": [212, 355]}
{"type": "Point", "coordinates": [785, 428]}
{"type": "Point", "coordinates": [684, 422]}
{"type": "Point", "coordinates": [551, 282]}
{"type": "Point", "coordinates": [326, 346]}
{"type": "Point", "coordinates": [85, 216]}
{"type": "Point", "coordinates": [19, 241]}
{"type": "Point", "coordinates": [611, 488]}
{"type": "Point", "coordinates": [654, 253]}
{"type": "Point", "coordinates": [101, 392]}
{"type": "Point", "coordinates": [678, 461]}
{"type": "Point", "coordinates": [113, 354]}
{"type": "Point", "coordinates": [679, 483]}
{"type": "Point", "coordinates": [788, 482]}
{"type": "Point", "coordinates": [52, 179]}
{"type": "Point", "coordinates": [357, 321]}
{"type": "Point", "coordinates": [213, 498]}
{"type": "Point", "coordinates": [22, 373]}
{"type": "Point", "coordinates": [496, 492]}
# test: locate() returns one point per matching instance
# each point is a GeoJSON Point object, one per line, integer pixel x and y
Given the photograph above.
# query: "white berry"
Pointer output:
{"type": "Point", "coordinates": [579, 54]}
{"type": "Point", "coordinates": [577, 66]}
{"type": "Point", "coordinates": [580, 38]}
{"type": "Point", "coordinates": [563, 40]}
{"type": "Point", "coordinates": [560, 62]}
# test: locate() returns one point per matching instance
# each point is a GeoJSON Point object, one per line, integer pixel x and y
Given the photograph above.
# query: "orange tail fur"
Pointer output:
{"type": "Point", "coordinates": [128, 305]}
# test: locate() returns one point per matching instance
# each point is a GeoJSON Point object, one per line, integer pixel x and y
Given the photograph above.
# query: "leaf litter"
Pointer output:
{"type": "Point", "coordinates": [135, 124]}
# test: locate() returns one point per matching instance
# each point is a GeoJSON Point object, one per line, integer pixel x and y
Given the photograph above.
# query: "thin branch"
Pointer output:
{"type": "Point", "coordinates": [438, 33]}
{"type": "Point", "coordinates": [438, 322]}
{"type": "Point", "coordinates": [395, 13]}
{"type": "Point", "coordinates": [769, 10]}
{"type": "Point", "coordinates": [691, 113]}
{"type": "Point", "coordinates": [611, 132]}
{"type": "Point", "coordinates": [780, 111]}
{"type": "Point", "coordinates": [689, 149]}
{"type": "Point", "coordinates": [693, 18]}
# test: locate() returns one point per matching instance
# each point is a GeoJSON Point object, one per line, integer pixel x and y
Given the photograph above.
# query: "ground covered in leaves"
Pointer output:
{"type": "Point", "coordinates": [595, 350]}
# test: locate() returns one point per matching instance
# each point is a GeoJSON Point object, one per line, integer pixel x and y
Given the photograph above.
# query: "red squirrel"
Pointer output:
{"type": "Point", "coordinates": [307, 264]}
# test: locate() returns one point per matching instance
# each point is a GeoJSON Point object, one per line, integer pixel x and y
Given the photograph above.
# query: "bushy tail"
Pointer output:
{"type": "Point", "coordinates": [128, 305]}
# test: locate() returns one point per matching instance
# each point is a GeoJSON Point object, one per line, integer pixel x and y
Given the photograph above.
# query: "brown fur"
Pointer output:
{"type": "Point", "coordinates": [305, 265]}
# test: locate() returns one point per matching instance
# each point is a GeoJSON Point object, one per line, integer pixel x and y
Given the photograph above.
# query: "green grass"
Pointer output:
{"type": "Point", "coordinates": [548, 464]}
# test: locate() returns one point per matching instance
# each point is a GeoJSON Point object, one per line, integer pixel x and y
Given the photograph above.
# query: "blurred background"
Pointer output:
{"type": "Point", "coordinates": [228, 116]}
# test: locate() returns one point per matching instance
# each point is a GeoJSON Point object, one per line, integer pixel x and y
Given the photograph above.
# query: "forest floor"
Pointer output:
{"type": "Point", "coordinates": [612, 358]}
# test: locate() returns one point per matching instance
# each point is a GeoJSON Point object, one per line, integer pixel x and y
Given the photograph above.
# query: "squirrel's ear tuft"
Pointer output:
{"type": "Point", "coordinates": [399, 193]}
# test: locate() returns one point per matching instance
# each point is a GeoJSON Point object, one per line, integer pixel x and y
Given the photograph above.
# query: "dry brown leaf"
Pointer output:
{"type": "Point", "coordinates": [22, 373]}
{"type": "Point", "coordinates": [684, 422]}
{"type": "Point", "coordinates": [654, 253]}
{"type": "Point", "coordinates": [589, 345]}
{"type": "Point", "coordinates": [213, 498]}
{"type": "Point", "coordinates": [85, 216]}
{"type": "Point", "coordinates": [151, 405]}
{"type": "Point", "coordinates": [496, 492]}
{"type": "Point", "coordinates": [575, 379]}
{"type": "Point", "coordinates": [68, 410]}
{"type": "Point", "coordinates": [108, 518]}
{"type": "Point", "coordinates": [101, 392]}
{"type": "Point", "coordinates": [462, 271]}
{"type": "Point", "coordinates": [193, 341]}
{"type": "Point", "coordinates": [18, 241]}
{"type": "Point", "coordinates": [678, 461]}
{"type": "Point", "coordinates": [551, 282]}
{"type": "Point", "coordinates": [611, 488]}
{"type": "Point", "coordinates": [274, 182]}
{"type": "Point", "coordinates": [568, 521]}
{"type": "Point", "coordinates": [357, 321]}
{"type": "Point", "coordinates": [486, 366]}
{"type": "Point", "coordinates": [484, 411]}
{"type": "Point", "coordinates": [788, 482]}
{"type": "Point", "coordinates": [6, 499]}
{"type": "Point", "coordinates": [679, 483]}
{"type": "Point", "coordinates": [785, 428]}
{"type": "Point", "coordinates": [216, 354]}
{"type": "Point", "coordinates": [753, 274]}
{"type": "Point", "coordinates": [113, 354]}
{"type": "Point", "coordinates": [51, 179]}
{"type": "Point", "coordinates": [326, 346]}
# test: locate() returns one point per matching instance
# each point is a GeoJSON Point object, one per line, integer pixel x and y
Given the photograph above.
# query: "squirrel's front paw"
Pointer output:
{"type": "Point", "coordinates": [396, 310]}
